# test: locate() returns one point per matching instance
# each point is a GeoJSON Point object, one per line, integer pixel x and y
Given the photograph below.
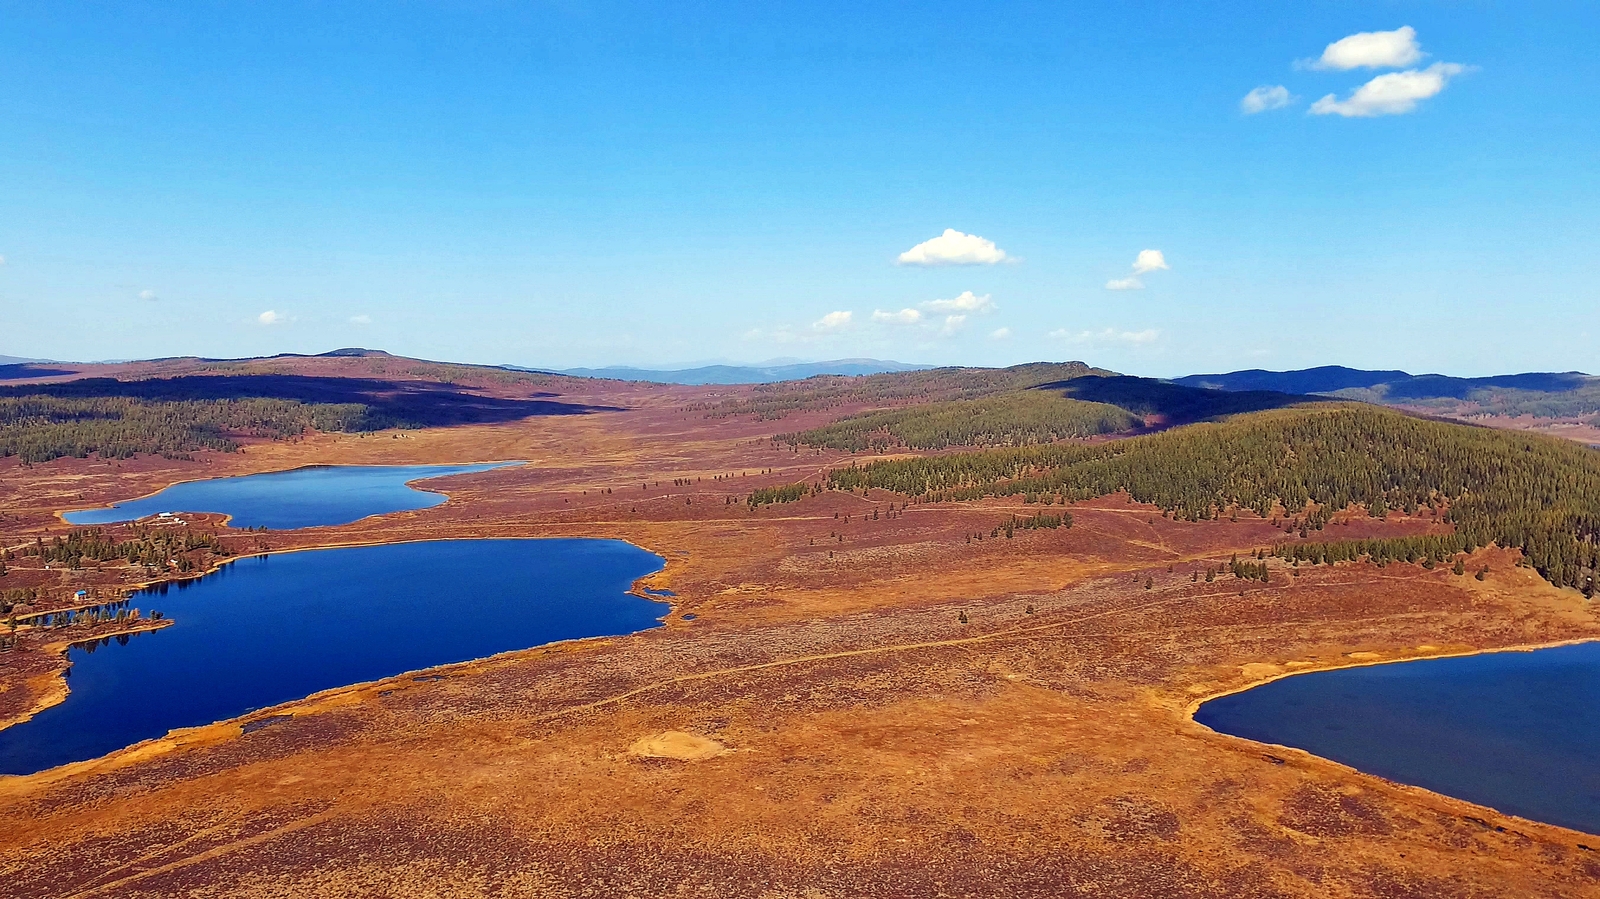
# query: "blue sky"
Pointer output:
{"type": "Point", "coordinates": [573, 183]}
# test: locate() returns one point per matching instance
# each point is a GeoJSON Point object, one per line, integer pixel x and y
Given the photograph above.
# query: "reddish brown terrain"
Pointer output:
{"type": "Point", "coordinates": [825, 725]}
{"type": "Point", "coordinates": [1581, 430]}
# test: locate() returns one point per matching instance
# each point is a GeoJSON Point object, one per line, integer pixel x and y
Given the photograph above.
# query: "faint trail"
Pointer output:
{"type": "Point", "coordinates": [156, 853]}
{"type": "Point", "coordinates": [1009, 633]}
{"type": "Point", "coordinates": [207, 855]}
{"type": "Point", "coordinates": [854, 653]}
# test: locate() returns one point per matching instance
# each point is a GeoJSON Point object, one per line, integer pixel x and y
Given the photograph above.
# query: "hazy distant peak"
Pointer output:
{"type": "Point", "coordinates": [357, 351]}
{"type": "Point", "coordinates": [1322, 379]}
{"type": "Point", "coordinates": [745, 374]}
{"type": "Point", "coordinates": [1390, 385]}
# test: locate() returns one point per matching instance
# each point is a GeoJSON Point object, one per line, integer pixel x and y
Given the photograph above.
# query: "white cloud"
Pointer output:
{"type": "Point", "coordinates": [903, 317]}
{"type": "Point", "coordinates": [1149, 261]}
{"type": "Point", "coordinates": [966, 302]}
{"type": "Point", "coordinates": [2, 260]}
{"type": "Point", "coordinates": [1107, 335]}
{"type": "Point", "coordinates": [942, 317]}
{"type": "Point", "coordinates": [148, 295]}
{"type": "Point", "coordinates": [1146, 261]}
{"type": "Point", "coordinates": [833, 321]}
{"type": "Point", "coordinates": [1000, 334]}
{"type": "Point", "coordinates": [1372, 50]}
{"type": "Point", "coordinates": [954, 248]}
{"type": "Point", "coordinates": [271, 317]}
{"type": "Point", "coordinates": [1265, 97]}
{"type": "Point", "coordinates": [360, 319]}
{"type": "Point", "coordinates": [1395, 93]}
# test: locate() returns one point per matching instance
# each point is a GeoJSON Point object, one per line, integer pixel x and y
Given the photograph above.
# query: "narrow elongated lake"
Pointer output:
{"type": "Point", "coordinates": [1515, 731]}
{"type": "Point", "coordinates": [268, 629]}
{"type": "Point", "coordinates": [314, 496]}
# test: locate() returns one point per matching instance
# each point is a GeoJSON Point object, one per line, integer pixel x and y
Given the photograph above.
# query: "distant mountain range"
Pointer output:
{"type": "Point", "coordinates": [1385, 386]}
{"type": "Point", "coordinates": [741, 374]}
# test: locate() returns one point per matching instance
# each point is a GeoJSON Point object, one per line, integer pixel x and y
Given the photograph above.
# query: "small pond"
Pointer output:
{"type": "Point", "coordinates": [268, 629]}
{"type": "Point", "coordinates": [1515, 731]}
{"type": "Point", "coordinates": [315, 496]}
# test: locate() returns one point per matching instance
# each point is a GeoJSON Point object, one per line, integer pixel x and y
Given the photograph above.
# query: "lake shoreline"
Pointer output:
{"type": "Point", "coordinates": [1314, 668]}
{"type": "Point", "coordinates": [1192, 709]}
{"type": "Point", "coordinates": [227, 518]}
{"type": "Point", "coordinates": [58, 690]}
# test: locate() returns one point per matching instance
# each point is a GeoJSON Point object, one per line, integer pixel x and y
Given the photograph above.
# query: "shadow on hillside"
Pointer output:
{"type": "Point", "coordinates": [1174, 403]}
{"type": "Point", "coordinates": [417, 403]}
{"type": "Point", "coordinates": [19, 370]}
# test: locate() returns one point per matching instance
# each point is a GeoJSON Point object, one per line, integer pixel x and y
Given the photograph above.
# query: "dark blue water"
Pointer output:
{"type": "Point", "coordinates": [302, 498]}
{"type": "Point", "coordinates": [266, 630]}
{"type": "Point", "coordinates": [1516, 731]}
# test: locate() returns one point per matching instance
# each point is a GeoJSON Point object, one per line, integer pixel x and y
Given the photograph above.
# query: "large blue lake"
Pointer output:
{"type": "Point", "coordinates": [1516, 731]}
{"type": "Point", "coordinates": [301, 498]}
{"type": "Point", "coordinates": [268, 629]}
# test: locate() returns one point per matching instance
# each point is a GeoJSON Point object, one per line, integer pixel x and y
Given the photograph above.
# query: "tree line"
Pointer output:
{"type": "Point", "coordinates": [151, 547]}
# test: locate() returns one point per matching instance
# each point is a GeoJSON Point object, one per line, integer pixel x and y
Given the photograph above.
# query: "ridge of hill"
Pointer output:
{"type": "Point", "coordinates": [1391, 385]}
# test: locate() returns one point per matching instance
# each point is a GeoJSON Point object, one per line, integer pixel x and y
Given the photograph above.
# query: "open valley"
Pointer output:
{"type": "Point", "coordinates": [851, 696]}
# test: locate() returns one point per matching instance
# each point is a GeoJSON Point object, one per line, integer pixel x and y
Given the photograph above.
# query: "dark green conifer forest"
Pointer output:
{"type": "Point", "coordinates": [41, 428]}
{"type": "Point", "coordinates": [1010, 419]}
{"type": "Point", "coordinates": [1537, 494]}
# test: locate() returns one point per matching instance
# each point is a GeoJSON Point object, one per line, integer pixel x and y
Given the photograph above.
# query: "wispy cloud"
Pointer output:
{"type": "Point", "coordinates": [966, 302]}
{"type": "Point", "coordinates": [954, 248]}
{"type": "Point", "coordinates": [1268, 96]}
{"type": "Point", "coordinates": [1147, 261]}
{"type": "Point", "coordinates": [906, 316]}
{"type": "Point", "coordinates": [952, 324]}
{"type": "Point", "coordinates": [360, 319]}
{"type": "Point", "coordinates": [1395, 93]}
{"type": "Point", "coordinates": [273, 317]}
{"type": "Point", "coordinates": [833, 321]}
{"type": "Point", "coordinates": [1000, 334]}
{"type": "Point", "coordinates": [1370, 50]}
{"type": "Point", "coordinates": [1106, 336]}
{"type": "Point", "coordinates": [941, 317]}
{"type": "Point", "coordinates": [148, 296]}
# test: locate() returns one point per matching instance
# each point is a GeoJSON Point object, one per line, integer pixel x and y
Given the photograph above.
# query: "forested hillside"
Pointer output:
{"type": "Point", "coordinates": [1538, 494]}
{"type": "Point", "coordinates": [1011, 419]}
{"type": "Point", "coordinates": [774, 401]}
{"type": "Point", "coordinates": [41, 428]}
{"type": "Point", "coordinates": [1567, 395]}
{"type": "Point", "coordinates": [1085, 405]}
{"type": "Point", "coordinates": [178, 415]}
